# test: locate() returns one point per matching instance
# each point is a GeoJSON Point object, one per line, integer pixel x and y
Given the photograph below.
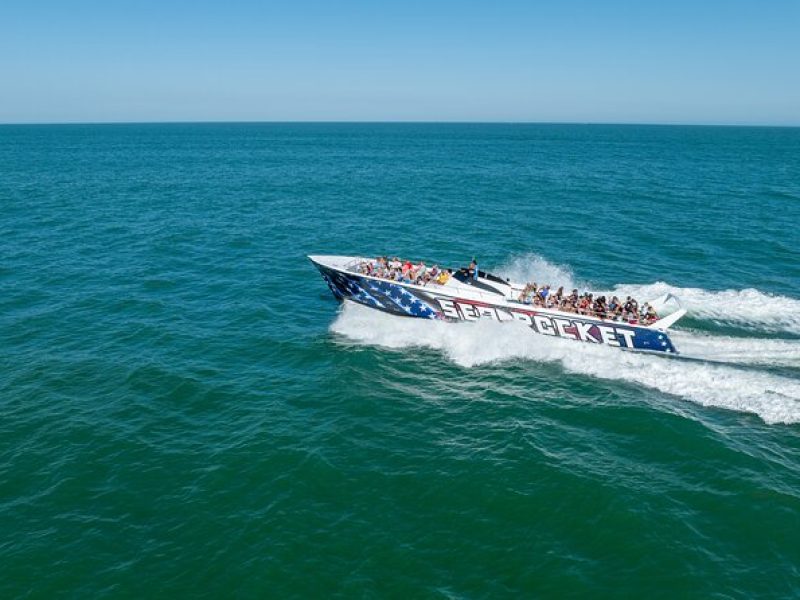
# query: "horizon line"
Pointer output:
{"type": "Point", "coordinates": [394, 122]}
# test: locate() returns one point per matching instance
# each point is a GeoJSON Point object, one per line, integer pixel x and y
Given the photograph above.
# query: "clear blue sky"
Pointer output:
{"type": "Point", "coordinates": [671, 61]}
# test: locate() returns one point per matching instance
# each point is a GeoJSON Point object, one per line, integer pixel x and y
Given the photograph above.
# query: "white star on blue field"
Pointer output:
{"type": "Point", "coordinates": [402, 299]}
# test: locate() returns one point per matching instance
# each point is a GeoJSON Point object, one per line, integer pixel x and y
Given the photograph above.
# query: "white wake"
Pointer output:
{"type": "Point", "coordinates": [737, 350]}
{"type": "Point", "coordinates": [775, 398]}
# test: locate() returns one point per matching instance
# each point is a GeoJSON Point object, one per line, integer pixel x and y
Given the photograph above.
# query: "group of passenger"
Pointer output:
{"type": "Point", "coordinates": [404, 271]}
{"type": "Point", "coordinates": [589, 305]}
{"type": "Point", "coordinates": [583, 304]}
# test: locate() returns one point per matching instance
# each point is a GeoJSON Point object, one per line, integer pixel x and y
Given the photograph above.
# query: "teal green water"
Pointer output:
{"type": "Point", "coordinates": [187, 412]}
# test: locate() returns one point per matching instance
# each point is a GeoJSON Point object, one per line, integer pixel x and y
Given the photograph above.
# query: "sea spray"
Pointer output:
{"type": "Point", "coordinates": [774, 398]}
{"type": "Point", "coordinates": [535, 268]}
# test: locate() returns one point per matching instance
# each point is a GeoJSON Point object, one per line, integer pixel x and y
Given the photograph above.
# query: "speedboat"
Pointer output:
{"type": "Point", "coordinates": [472, 294]}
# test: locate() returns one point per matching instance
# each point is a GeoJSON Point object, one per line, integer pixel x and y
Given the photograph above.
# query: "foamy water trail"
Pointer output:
{"type": "Point", "coordinates": [774, 398]}
{"type": "Point", "coordinates": [747, 308]}
{"type": "Point", "coordinates": [737, 350]}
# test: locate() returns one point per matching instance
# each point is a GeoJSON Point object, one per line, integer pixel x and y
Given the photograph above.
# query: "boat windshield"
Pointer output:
{"type": "Point", "coordinates": [463, 276]}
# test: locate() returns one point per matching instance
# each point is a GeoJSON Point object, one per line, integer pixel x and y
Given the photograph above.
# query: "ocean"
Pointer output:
{"type": "Point", "coordinates": [188, 412]}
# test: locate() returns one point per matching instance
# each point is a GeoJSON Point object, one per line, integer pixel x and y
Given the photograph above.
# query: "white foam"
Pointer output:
{"type": "Point", "coordinates": [748, 308]}
{"type": "Point", "coordinates": [776, 399]}
{"type": "Point", "coordinates": [532, 267]}
{"type": "Point", "coordinates": [738, 350]}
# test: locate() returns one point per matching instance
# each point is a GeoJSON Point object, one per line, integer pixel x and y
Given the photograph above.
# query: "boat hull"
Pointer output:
{"type": "Point", "coordinates": [438, 303]}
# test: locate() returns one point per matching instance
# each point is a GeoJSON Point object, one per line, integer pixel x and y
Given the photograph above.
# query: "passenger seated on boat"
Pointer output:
{"type": "Point", "coordinates": [570, 303]}
{"type": "Point", "coordinates": [548, 298]}
{"type": "Point", "coordinates": [630, 311]}
{"type": "Point", "coordinates": [612, 304]}
{"type": "Point", "coordinates": [544, 292]}
{"type": "Point", "coordinates": [649, 314]}
{"type": "Point", "coordinates": [375, 264]}
{"type": "Point", "coordinates": [443, 277]}
{"type": "Point", "coordinates": [617, 313]}
{"type": "Point", "coordinates": [584, 306]}
{"type": "Point", "coordinates": [600, 309]}
{"type": "Point", "coordinates": [524, 295]}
